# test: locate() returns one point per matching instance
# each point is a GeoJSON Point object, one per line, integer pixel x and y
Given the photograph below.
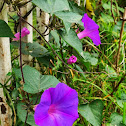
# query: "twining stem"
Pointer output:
{"type": "Point", "coordinates": [120, 39]}
{"type": "Point", "coordinates": [21, 59]}
{"type": "Point", "coordinates": [21, 50]}
{"type": "Point", "coordinates": [124, 112]}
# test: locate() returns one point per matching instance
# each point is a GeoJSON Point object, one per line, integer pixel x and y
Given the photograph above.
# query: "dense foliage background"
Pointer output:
{"type": "Point", "coordinates": [98, 75]}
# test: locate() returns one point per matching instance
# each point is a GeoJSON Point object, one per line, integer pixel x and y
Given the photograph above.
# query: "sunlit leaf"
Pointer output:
{"type": "Point", "coordinates": [70, 17]}
{"type": "Point", "coordinates": [51, 6]}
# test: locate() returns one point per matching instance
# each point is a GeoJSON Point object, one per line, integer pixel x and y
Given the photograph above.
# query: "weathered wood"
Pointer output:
{"type": "Point", "coordinates": [5, 67]}
{"type": "Point", "coordinates": [78, 2]}
{"type": "Point", "coordinates": [28, 38]}
{"type": "Point", "coordinates": [42, 20]}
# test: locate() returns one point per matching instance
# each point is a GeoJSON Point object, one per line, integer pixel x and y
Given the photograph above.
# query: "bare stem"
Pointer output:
{"type": "Point", "coordinates": [21, 59]}
{"type": "Point", "coordinates": [21, 50]}
{"type": "Point", "coordinates": [120, 39]}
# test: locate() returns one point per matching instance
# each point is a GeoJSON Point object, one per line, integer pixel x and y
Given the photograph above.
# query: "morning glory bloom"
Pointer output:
{"type": "Point", "coordinates": [58, 107]}
{"type": "Point", "coordinates": [91, 30]}
{"type": "Point", "coordinates": [72, 59]}
{"type": "Point", "coordinates": [24, 32]}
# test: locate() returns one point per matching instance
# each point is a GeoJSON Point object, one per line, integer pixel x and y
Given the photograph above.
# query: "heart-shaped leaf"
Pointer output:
{"type": "Point", "coordinates": [34, 81]}
{"type": "Point", "coordinates": [92, 112]}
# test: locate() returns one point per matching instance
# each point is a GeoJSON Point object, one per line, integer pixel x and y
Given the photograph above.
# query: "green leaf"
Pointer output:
{"type": "Point", "coordinates": [46, 60]}
{"type": "Point", "coordinates": [67, 26]}
{"type": "Point", "coordinates": [72, 39]}
{"type": "Point", "coordinates": [33, 49]}
{"type": "Point", "coordinates": [51, 6]}
{"type": "Point", "coordinates": [5, 30]}
{"type": "Point", "coordinates": [22, 112]}
{"type": "Point", "coordinates": [34, 81]}
{"type": "Point", "coordinates": [75, 8]}
{"type": "Point", "coordinates": [120, 100]}
{"type": "Point", "coordinates": [92, 112]}
{"type": "Point", "coordinates": [70, 17]}
{"type": "Point", "coordinates": [117, 119]}
{"type": "Point", "coordinates": [56, 37]}
{"type": "Point", "coordinates": [78, 68]}
{"type": "Point", "coordinates": [111, 72]}
{"type": "Point", "coordinates": [89, 58]}
{"type": "Point", "coordinates": [107, 18]}
{"type": "Point", "coordinates": [15, 94]}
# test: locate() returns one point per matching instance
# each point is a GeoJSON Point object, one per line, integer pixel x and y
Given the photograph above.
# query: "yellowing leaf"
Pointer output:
{"type": "Point", "coordinates": [71, 73]}
{"type": "Point", "coordinates": [89, 8]}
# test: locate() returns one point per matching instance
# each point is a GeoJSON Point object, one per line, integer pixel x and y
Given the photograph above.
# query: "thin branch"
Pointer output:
{"type": "Point", "coordinates": [20, 49]}
{"type": "Point", "coordinates": [120, 39]}
{"type": "Point", "coordinates": [15, 58]}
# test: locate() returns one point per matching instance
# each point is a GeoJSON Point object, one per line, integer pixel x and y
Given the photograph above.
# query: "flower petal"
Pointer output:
{"type": "Point", "coordinates": [24, 32]}
{"type": "Point", "coordinates": [58, 107]}
{"type": "Point", "coordinates": [89, 23]}
{"type": "Point", "coordinates": [95, 37]}
{"type": "Point", "coordinates": [63, 119]}
{"type": "Point", "coordinates": [47, 121]}
{"type": "Point", "coordinates": [65, 99]}
{"type": "Point", "coordinates": [17, 35]}
{"type": "Point", "coordinates": [41, 111]}
{"type": "Point", "coordinates": [82, 34]}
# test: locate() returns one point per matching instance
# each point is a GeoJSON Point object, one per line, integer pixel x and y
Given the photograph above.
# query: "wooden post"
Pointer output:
{"type": "Point", "coordinates": [42, 18]}
{"type": "Point", "coordinates": [78, 2]}
{"type": "Point", "coordinates": [5, 67]}
{"type": "Point", "coordinates": [28, 38]}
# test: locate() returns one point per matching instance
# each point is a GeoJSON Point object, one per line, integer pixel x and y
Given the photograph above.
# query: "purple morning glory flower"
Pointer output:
{"type": "Point", "coordinates": [91, 30]}
{"type": "Point", "coordinates": [58, 107]}
{"type": "Point", "coordinates": [72, 59]}
{"type": "Point", "coordinates": [24, 32]}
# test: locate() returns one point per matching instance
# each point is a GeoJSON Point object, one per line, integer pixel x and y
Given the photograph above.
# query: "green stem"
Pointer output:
{"type": "Point", "coordinates": [124, 112]}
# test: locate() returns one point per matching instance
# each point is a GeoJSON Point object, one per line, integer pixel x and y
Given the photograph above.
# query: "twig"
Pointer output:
{"type": "Point", "coordinates": [120, 39]}
{"type": "Point", "coordinates": [112, 13]}
{"type": "Point", "coordinates": [15, 58]}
